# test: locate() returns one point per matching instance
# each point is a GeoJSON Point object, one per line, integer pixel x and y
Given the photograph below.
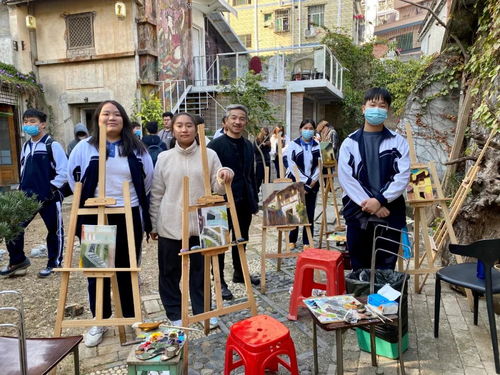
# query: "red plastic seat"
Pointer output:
{"type": "Point", "coordinates": [331, 262]}
{"type": "Point", "coordinates": [260, 341]}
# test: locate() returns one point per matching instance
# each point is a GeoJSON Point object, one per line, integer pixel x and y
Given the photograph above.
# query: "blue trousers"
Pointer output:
{"type": "Point", "coordinates": [51, 213]}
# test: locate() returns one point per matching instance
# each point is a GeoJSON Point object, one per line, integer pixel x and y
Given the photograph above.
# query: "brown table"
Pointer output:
{"type": "Point", "coordinates": [339, 329]}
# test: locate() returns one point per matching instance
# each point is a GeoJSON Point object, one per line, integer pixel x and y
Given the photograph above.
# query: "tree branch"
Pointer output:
{"type": "Point", "coordinates": [442, 23]}
{"type": "Point", "coordinates": [459, 160]}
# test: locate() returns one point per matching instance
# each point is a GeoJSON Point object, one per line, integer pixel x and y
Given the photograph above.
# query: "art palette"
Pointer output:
{"type": "Point", "coordinates": [157, 342]}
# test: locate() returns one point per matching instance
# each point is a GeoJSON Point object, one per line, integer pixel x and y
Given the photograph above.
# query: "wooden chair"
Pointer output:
{"type": "Point", "coordinates": [464, 275]}
{"type": "Point", "coordinates": [36, 355]}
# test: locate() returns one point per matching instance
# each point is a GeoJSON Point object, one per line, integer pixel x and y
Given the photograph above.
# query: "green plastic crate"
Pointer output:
{"type": "Point", "coordinates": [384, 348]}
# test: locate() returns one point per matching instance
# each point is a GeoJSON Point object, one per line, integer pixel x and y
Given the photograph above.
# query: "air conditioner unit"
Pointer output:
{"type": "Point", "coordinates": [311, 32]}
{"type": "Point", "coordinates": [268, 24]}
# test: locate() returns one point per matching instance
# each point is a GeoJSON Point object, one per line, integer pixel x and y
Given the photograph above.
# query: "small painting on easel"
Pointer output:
{"type": "Point", "coordinates": [213, 225]}
{"type": "Point", "coordinates": [420, 186]}
{"type": "Point", "coordinates": [327, 154]}
{"type": "Point", "coordinates": [286, 206]}
{"type": "Point", "coordinates": [98, 246]}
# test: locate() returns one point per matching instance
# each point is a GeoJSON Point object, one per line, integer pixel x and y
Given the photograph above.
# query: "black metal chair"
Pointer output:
{"type": "Point", "coordinates": [36, 356]}
{"type": "Point", "coordinates": [464, 275]}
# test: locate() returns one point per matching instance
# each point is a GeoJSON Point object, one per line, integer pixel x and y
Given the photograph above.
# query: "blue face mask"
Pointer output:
{"type": "Point", "coordinates": [375, 115]}
{"type": "Point", "coordinates": [137, 133]}
{"type": "Point", "coordinates": [307, 134]}
{"type": "Point", "coordinates": [31, 130]}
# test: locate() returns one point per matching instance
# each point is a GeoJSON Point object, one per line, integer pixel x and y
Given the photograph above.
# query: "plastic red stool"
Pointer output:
{"type": "Point", "coordinates": [330, 261]}
{"type": "Point", "coordinates": [259, 341]}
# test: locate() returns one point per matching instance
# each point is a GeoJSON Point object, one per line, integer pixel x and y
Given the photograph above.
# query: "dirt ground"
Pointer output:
{"type": "Point", "coordinates": [41, 295]}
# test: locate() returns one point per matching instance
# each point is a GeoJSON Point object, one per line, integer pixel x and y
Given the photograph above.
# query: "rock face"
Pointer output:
{"type": "Point", "coordinates": [432, 115]}
{"type": "Point", "coordinates": [480, 215]}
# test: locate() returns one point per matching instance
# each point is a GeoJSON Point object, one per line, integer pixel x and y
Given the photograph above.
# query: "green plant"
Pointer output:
{"type": "Point", "coordinates": [363, 71]}
{"type": "Point", "coordinates": [148, 109]}
{"type": "Point", "coordinates": [15, 208]}
{"type": "Point", "coordinates": [483, 65]}
{"type": "Point", "coordinates": [248, 91]}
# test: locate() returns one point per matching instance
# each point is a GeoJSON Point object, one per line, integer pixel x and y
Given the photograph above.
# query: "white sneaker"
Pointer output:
{"type": "Point", "coordinates": [176, 323]}
{"type": "Point", "coordinates": [214, 323]}
{"type": "Point", "coordinates": [93, 337]}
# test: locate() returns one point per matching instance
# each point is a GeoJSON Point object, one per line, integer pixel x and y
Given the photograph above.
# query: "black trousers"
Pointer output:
{"type": "Point", "coordinates": [310, 206]}
{"type": "Point", "coordinates": [121, 261]}
{"type": "Point", "coordinates": [170, 265]}
{"type": "Point", "coordinates": [244, 214]}
{"type": "Point", "coordinates": [359, 245]}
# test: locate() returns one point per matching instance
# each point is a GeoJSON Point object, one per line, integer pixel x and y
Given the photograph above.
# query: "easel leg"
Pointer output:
{"type": "Point", "coordinates": [309, 237]}
{"type": "Point", "coordinates": [416, 248]}
{"type": "Point", "coordinates": [118, 307]}
{"type": "Point", "coordinates": [246, 277]}
{"type": "Point", "coordinates": [217, 286]}
{"type": "Point", "coordinates": [99, 289]}
{"type": "Point", "coordinates": [280, 244]}
{"type": "Point", "coordinates": [207, 290]}
{"type": "Point", "coordinates": [263, 262]}
{"type": "Point", "coordinates": [427, 244]}
{"type": "Point", "coordinates": [61, 304]}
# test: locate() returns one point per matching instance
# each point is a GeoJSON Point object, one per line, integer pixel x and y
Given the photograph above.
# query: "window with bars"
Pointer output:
{"type": "Point", "coordinates": [315, 16]}
{"type": "Point", "coordinates": [246, 39]}
{"type": "Point", "coordinates": [80, 31]}
{"type": "Point", "coordinates": [405, 41]}
{"type": "Point", "coordinates": [242, 2]}
{"type": "Point", "coordinates": [282, 20]}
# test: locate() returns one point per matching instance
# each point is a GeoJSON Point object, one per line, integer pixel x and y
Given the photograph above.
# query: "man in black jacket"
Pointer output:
{"type": "Point", "coordinates": [237, 153]}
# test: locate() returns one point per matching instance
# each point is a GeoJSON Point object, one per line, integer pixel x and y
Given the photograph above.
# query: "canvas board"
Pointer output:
{"type": "Point", "coordinates": [420, 186]}
{"type": "Point", "coordinates": [213, 226]}
{"type": "Point", "coordinates": [98, 246]}
{"type": "Point", "coordinates": [285, 205]}
{"type": "Point", "coordinates": [327, 154]}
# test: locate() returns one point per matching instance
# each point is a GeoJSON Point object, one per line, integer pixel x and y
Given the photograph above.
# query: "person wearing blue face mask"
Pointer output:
{"type": "Point", "coordinates": [43, 173]}
{"type": "Point", "coordinates": [374, 171]}
{"type": "Point", "coordinates": [303, 154]}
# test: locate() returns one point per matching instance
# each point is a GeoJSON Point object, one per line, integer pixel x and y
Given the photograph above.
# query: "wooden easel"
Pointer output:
{"type": "Point", "coordinates": [421, 224]}
{"type": "Point", "coordinates": [283, 230]}
{"type": "Point", "coordinates": [327, 185]}
{"type": "Point", "coordinates": [211, 254]}
{"type": "Point", "coordinates": [99, 206]}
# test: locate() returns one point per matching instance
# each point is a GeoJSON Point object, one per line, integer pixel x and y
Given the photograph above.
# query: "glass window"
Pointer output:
{"type": "Point", "coordinates": [316, 15]}
{"type": "Point", "coordinates": [5, 151]}
{"type": "Point", "coordinates": [405, 41]}
{"type": "Point", "coordinates": [246, 39]}
{"type": "Point", "coordinates": [282, 18]}
{"type": "Point", "coordinates": [267, 17]}
{"type": "Point", "coordinates": [242, 2]}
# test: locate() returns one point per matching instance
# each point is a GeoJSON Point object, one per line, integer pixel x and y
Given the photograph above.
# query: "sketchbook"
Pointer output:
{"type": "Point", "coordinates": [331, 309]}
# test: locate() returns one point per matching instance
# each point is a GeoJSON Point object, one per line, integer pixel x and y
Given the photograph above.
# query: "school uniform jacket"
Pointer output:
{"type": "Point", "coordinates": [394, 164]}
{"type": "Point", "coordinates": [83, 166]}
{"type": "Point", "coordinates": [39, 174]}
{"type": "Point", "coordinates": [295, 157]}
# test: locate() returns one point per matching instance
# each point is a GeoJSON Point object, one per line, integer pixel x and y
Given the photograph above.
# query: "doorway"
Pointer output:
{"type": "Point", "coordinates": [9, 169]}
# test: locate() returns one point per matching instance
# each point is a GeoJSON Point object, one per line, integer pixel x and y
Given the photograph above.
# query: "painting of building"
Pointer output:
{"type": "Point", "coordinates": [285, 206]}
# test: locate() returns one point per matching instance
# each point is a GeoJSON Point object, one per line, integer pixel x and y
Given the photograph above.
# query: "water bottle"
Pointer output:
{"type": "Point", "coordinates": [480, 270]}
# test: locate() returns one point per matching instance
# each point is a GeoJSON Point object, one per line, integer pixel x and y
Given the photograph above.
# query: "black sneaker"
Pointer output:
{"type": "Point", "coordinates": [46, 272]}
{"type": "Point", "coordinates": [226, 293]}
{"type": "Point", "coordinates": [19, 269]}
{"type": "Point", "coordinates": [255, 280]}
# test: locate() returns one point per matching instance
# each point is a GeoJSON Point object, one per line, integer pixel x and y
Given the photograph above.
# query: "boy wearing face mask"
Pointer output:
{"type": "Point", "coordinates": [303, 154]}
{"type": "Point", "coordinates": [373, 171]}
{"type": "Point", "coordinates": [41, 176]}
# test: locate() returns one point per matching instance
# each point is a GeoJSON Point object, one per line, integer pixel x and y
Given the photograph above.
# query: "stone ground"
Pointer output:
{"type": "Point", "coordinates": [462, 348]}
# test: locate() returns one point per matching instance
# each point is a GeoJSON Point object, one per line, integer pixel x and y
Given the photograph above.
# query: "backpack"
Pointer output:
{"type": "Point", "coordinates": [65, 189]}
{"type": "Point", "coordinates": [154, 150]}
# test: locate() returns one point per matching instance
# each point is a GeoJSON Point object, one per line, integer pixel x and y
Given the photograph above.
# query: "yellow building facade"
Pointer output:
{"type": "Point", "coordinates": [263, 24]}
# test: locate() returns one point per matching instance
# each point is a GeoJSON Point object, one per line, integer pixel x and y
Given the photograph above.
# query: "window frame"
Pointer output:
{"type": "Point", "coordinates": [279, 16]}
{"type": "Point", "coordinates": [310, 15]}
{"type": "Point", "coordinates": [246, 39]}
{"type": "Point", "coordinates": [68, 19]}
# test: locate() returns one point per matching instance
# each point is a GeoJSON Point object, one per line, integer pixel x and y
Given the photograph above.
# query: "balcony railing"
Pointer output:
{"type": "Point", "coordinates": [279, 66]}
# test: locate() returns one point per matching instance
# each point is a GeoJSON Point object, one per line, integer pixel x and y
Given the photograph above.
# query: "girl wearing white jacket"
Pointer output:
{"type": "Point", "coordinates": [166, 212]}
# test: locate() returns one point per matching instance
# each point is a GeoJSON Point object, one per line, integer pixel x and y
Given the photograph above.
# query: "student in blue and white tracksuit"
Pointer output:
{"type": "Point", "coordinates": [43, 173]}
{"type": "Point", "coordinates": [373, 170]}
{"type": "Point", "coordinates": [303, 154]}
{"type": "Point", "coordinates": [127, 160]}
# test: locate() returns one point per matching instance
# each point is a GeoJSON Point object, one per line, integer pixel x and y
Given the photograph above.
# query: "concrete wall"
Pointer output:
{"type": "Point", "coordinates": [6, 49]}
{"type": "Point", "coordinates": [21, 59]}
{"type": "Point", "coordinates": [251, 18]}
{"type": "Point", "coordinates": [71, 86]}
